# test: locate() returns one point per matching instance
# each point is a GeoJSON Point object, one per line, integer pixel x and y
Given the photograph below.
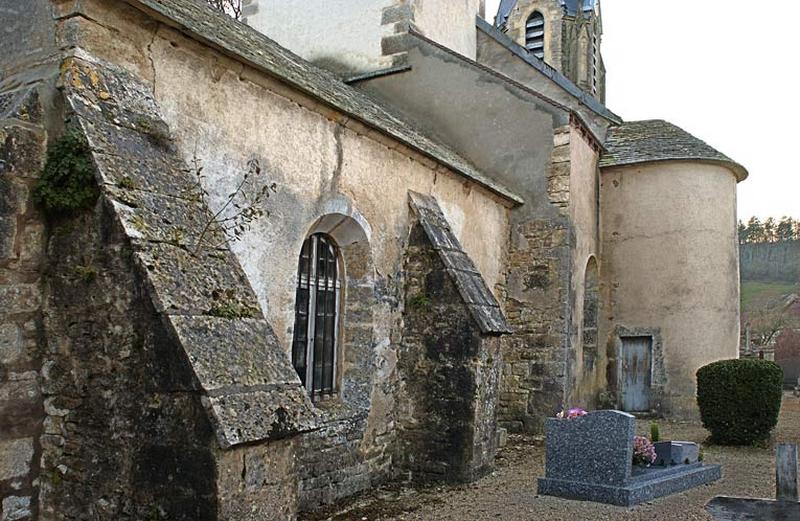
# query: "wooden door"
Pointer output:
{"type": "Point", "coordinates": [637, 357]}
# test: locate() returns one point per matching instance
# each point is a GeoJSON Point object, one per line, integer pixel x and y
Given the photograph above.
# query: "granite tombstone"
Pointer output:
{"type": "Point", "coordinates": [591, 458]}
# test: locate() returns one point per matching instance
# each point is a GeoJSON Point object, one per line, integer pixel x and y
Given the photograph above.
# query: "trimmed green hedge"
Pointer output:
{"type": "Point", "coordinates": [739, 400]}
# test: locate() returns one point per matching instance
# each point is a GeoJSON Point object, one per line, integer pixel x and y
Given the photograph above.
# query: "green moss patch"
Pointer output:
{"type": "Point", "coordinates": [67, 184]}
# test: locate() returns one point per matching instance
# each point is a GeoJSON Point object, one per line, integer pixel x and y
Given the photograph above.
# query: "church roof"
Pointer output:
{"type": "Point", "coordinates": [637, 142]}
{"type": "Point", "coordinates": [245, 44]}
{"type": "Point", "coordinates": [570, 6]}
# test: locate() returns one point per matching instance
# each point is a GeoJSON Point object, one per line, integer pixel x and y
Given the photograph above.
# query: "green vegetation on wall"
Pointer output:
{"type": "Point", "coordinates": [67, 184]}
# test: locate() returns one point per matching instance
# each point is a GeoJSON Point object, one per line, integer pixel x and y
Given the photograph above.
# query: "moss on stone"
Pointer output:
{"type": "Point", "coordinates": [231, 310]}
{"type": "Point", "coordinates": [419, 301]}
{"type": "Point", "coordinates": [67, 184]}
{"type": "Point", "coordinates": [86, 274]}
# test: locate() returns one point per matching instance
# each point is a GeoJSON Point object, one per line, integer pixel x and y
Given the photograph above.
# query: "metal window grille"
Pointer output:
{"type": "Point", "coordinates": [316, 315]}
{"type": "Point", "coordinates": [534, 34]}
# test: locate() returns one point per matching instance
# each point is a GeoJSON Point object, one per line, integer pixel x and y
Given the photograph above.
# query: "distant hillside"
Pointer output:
{"type": "Point", "coordinates": [771, 261]}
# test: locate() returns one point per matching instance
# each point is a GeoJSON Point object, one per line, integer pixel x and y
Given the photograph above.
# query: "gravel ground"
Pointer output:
{"type": "Point", "coordinates": [510, 492]}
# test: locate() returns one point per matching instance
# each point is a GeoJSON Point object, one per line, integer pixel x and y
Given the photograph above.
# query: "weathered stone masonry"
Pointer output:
{"type": "Point", "coordinates": [142, 420]}
{"type": "Point", "coordinates": [538, 306]}
{"type": "Point", "coordinates": [450, 359]}
{"type": "Point", "coordinates": [22, 145]}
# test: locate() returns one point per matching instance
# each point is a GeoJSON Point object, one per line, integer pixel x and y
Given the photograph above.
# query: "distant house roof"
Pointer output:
{"type": "Point", "coordinates": [248, 45]}
{"type": "Point", "coordinates": [570, 6]}
{"type": "Point", "coordinates": [655, 140]}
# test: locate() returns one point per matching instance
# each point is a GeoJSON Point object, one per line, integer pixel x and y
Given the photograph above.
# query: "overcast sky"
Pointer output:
{"type": "Point", "coordinates": [724, 71]}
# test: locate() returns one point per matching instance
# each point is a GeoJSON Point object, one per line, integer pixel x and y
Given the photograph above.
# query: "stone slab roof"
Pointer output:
{"type": "Point", "coordinates": [246, 381]}
{"type": "Point", "coordinates": [637, 142]}
{"type": "Point", "coordinates": [477, 296]}
{"type": "Point", "coordinates": [244, 43]}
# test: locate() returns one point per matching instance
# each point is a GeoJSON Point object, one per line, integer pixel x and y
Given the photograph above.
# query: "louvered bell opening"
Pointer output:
{"type": "Point", "coordinates": [534, 35]}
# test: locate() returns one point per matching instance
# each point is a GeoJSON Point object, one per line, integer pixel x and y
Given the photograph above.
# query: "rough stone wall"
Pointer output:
{"type": "Point", "coordinates": [123, 437]}
{"type": "Point", "coordinates": [539, 304]}
{"type": "Point", "coordinates": [450, 373]}
{"type": "Point", "coordinates": [22, 149]}
{"type": "Point", "coordinates": [534, 358]}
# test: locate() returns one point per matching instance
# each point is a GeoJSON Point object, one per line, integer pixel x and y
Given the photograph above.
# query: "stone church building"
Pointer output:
{"type": "Point", "coordinates": [251, 269]}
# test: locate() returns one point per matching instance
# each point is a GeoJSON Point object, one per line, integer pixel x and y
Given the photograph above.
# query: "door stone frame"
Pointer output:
{"type": "Point", "coordinates": [658, 374]}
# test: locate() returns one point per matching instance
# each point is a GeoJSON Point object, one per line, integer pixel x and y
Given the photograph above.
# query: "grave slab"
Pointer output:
{"type": "Point", "coordinates": [589, 458]}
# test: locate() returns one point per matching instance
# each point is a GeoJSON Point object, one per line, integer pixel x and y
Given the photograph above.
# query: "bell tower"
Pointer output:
{"type": "Point", "coordinates": [566, 34]}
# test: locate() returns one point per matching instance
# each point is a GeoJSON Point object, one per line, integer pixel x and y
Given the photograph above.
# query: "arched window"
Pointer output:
{"type": "Point", "coordinates": [590, 311]}
{"type": "Point", "coordinates": [316, 314]}
{"type": "Point", "coordinates": [534, 34]}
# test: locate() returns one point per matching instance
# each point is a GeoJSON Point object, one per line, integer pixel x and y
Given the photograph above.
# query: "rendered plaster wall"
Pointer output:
{"type": "Point", "coordinates": [671, 263]}
{"type": "Point", "coordinates": [496, 56]}
{"type": "Point", "coordinates": [359, 36]}
{"type": "Point", "coordinates": [344, 35]}
{"type": "Point", "coordinates": [584, 214]}
{"type": "Point", "coordinates": [224, 114]}
{"type": "Point", "coordinates": [449, 22]}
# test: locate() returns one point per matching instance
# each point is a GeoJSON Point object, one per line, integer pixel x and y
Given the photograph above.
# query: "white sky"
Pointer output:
{"type": "Point", "coordinates": [726, 71]}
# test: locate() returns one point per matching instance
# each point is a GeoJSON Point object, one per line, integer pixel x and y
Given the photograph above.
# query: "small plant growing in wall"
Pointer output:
{"type": "Point", "coordinates": [242, 207]}
{"type": "Point", "coordinates": [67, 184]}
{"type": "Point", "coordinates": [419, 302]}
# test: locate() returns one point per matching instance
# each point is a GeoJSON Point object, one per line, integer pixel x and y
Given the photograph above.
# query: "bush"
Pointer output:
{"type": "Point", "coordinates": [739, 400]}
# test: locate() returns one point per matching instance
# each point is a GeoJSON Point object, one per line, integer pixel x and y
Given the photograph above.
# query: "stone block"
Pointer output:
{"type": "Point", "coordinates": [19, 298]}
{"type": "Point", "coordinates": [32, 243]}
{"type": "Point", "coordinates": [8, 235]}
{"type": "Point", "coordinates": [676, 453]}
{"type": "Point", "coordinates": [208, 283]}
{"type": "Point", "coordinates": [16, 508]}
{"type": "Point", "coordinates": [214, 348]}
{"type": "Point", "coordinates": [259, 415]}
{"type": "Point", "coordinates": [15, 458]}
{"type": "Point", "coordinates": [11, 348]}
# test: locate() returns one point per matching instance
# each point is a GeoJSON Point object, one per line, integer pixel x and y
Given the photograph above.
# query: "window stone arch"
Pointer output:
{"type": "Point", "coordinates": [349, 236]}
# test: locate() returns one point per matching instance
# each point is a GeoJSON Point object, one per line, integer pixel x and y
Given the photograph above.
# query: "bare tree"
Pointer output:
{"type": "Point", "coordinates": [771, 317]}
{"type": "Point", "coordinates": [232, 8]}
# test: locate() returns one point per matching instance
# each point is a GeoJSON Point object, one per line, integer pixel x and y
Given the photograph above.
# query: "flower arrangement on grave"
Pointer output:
{"type": "Point", "coordinates": [575, 412]}
{"type": "Point", "coordinates": [644, 452]}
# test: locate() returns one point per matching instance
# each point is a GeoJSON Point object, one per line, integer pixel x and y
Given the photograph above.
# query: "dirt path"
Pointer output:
{"type": "Point", "coordinates": [510, 492]}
